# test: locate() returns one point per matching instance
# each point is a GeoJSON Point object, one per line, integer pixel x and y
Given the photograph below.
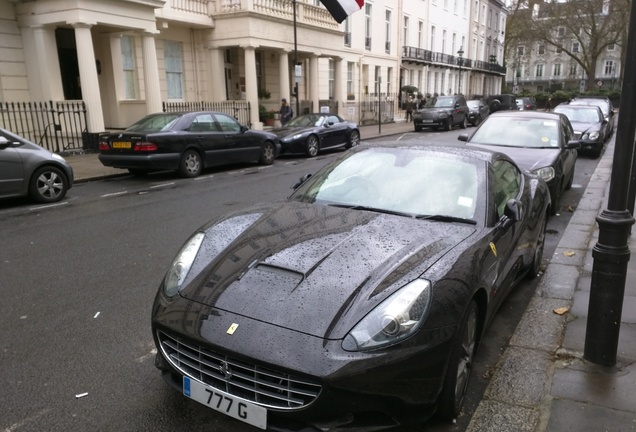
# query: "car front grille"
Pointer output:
{"type": "Point", "coordinates": [257, 384]}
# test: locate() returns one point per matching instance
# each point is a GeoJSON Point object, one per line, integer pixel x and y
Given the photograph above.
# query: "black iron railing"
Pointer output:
{"type": "Point", "coordinates": [420, 55]}
{"type": "Point", "coordinates": [240, 110]}
{"type": "Point", "coordinates": [56, 126]}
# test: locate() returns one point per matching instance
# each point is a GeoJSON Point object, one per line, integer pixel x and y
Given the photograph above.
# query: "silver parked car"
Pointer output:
{"type": "Point", "coordinates": [26, 169]}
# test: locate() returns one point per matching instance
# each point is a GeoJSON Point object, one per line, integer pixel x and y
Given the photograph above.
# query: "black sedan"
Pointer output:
{"type": "Point", "coordinates": [542, 143]}
{"type": "Point", "coordinates": [361, 298]}
{"type": "Point", "coordinates": [187, 142]}
{"type": "Point", "coordinates": [26, 169]}
{"type": "Point", "coordinates": [590, 127]}
{"type": "Point", "coordinates": [478, 110]}
{"type": "Point", "coordinates": [308, 134]}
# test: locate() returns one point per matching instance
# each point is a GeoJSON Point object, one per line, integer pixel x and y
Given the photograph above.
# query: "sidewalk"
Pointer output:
{"type": "Point", "coordinates": [541, 382]}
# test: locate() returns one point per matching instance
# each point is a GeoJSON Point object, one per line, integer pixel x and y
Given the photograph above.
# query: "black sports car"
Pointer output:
{"type": "Point", "coordinates": [187, 142]}
{"type": "Point", "coordinates": [542, 143]}
{"type": "Point", "coordinates": [310, 133]}
{"type": "Point", "coordinates": [362, 296]}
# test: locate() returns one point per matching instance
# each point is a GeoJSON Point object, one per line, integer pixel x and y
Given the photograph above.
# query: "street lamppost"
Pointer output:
{"type": "Point", "coordinates": [460, 53]}
{"type": "Point", "coordinates": [493, 62]}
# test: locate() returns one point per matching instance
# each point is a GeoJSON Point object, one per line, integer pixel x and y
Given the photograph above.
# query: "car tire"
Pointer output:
{"type": "Point", "coordinates": [191, 164]}
{"type": "Point", "coordinates": [354, 139]}
{"type": "Point", "coordinates": [460, 364]}
{"type": "Point", "coordinates": [268, 153]}
{"type": "Point", "coordinates": [449, 124]}
{"type": "Point", "coordinates": [313, 146]}
{"type": "Point", "coordinates": [596, 153]}
{"type": "Point", "coordinates": [537, 256]}
{"type": "Point", "coordinates": [418, 128]}
{"type": "Point", "coordinates": [48, 184]}
{"type": "Point", "coordinates": [568, 185]}
{"type": "Point", "coordinates": [464, 123]}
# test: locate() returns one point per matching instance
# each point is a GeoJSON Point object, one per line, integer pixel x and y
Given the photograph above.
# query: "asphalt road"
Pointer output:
{"type": "Point", "coordinates": [77, 282]}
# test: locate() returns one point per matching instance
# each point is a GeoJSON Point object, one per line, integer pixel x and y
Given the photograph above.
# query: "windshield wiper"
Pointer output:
{"type": "Point", "coordinates": [446, 218]}
{"type": "Point", "coordinates": [373, 209]}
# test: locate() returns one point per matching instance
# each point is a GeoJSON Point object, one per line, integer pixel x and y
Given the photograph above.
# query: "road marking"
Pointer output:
{"type": "Point", "coordinates": [44, 207]}
{"type": "Point", "coordinates": [143, 358]}
{"type": "Point", "coordinates": [203, 177]}
{"type": "Point", "coordinates": [114, 194]}
{"type": "Point", "coordinates": [162, 185]}
{"type": "Point", "coordinates": [18, 425]}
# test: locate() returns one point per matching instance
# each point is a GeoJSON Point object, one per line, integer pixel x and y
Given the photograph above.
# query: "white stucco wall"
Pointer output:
{"type": "Point", "coordinates": [14, 86]}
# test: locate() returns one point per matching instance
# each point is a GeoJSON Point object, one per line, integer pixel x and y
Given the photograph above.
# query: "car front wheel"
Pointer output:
{"type": "Point", "coordinates": [312, 146]}
{"type": "Point", "coordinates": [460, 364]}
{"type": "Point", "coordinates": [449, 124]}
{"type": "Point", "coordinates": [48, 185]}
{"type": "Point", "coordinates": [268, 153]}
{"type": "Point", "coordinates": [191, 164]}
{"type": "Point", "coordinates": [464, 123]}
{"type": "Point", "coordinates": [537, 257]}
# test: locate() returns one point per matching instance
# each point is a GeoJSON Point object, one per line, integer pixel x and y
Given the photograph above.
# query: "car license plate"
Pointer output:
{"type": "Point", "coordinates": [121, 144]}
{"type": "Point", "coordinates": [227, 404]}
{"type": "Point", "coordinates": [427, 121]}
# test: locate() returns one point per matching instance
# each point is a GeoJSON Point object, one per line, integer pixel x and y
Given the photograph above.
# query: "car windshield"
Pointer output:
{"type": "Point", "coordinates": [155, 123]}
{"type": "Point", "coordinates": [441, 102]}
{"type": "Point", "coordinates": [307, 120]}
{"type": "Point", "coordinates": [599, 103]}
{"type": "Point", "coordinates": [407, 182]}
{"type": "Point", "coordinates": [582, 115]}
{"type": "Point", "coordinates": [513, 131]}
{"type": "Point", "coordinates": [472, 104]}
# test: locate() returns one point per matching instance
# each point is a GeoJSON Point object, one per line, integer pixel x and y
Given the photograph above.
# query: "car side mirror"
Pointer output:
{"type": "Point", "coordinates": [301, 180]}
{"type": "Point", "coordinates": [457, 105]}
{"type": "Point", "coordinates": [573, 144]}
{"type": "Point", "coordinates": [513, 212]}
{"type": "Point", "coordinates": [4, 142]}
{"type": "Point", "coordinates": [244, 128]}
{"type": "Point", "coordinates": [463, 137]}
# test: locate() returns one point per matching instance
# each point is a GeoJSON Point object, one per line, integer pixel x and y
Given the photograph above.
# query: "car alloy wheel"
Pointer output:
{"type": "Point", "coordinates": [268, 154]}
{"type": "Point", "coordinates": [460, 364]}
{"type": "Point", "coordinates": [537, 257]}
{"type": "Point", "coordinates": [48, 185]}
{"type": "Point", "coordinates": [354, 139]}
{"type": "Point", "coordinates": [464, 123]}
{"type": "Point", "coordinates": [312, 146]}
{"type": "Point", "coordinates": [191, 164]}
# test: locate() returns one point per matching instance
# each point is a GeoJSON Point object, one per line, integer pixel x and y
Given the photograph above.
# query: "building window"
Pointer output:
{"type": "Point", "coordinates": [557, 69]}
{"type": "Point", "coordinates": [497, 22]}
{"type": "Point", "coordinates": [453, 42]}
{"type": "Point", "coordinates": [573, 69]}
{"type": "Point", "coordinates": [559, 50]}
{"type": "Point", "coordinates": [541, 49]}
{"type": "Point", "coordinates": [420, 33]}
{"type": "Point", "coordinates": [173, 54]}
{"type": "Point", "coordinates": [609, 67]}
{"type": "Point", "coordinates": [128, 60]}
{"type": "Point", "coordinates": [611, 47]}
{"type": "Point", "coordinates": [350, 68]}
{"type": "Point", "coordinates": [455, 6]}
{"type": "Point", "coordinates": [483, 15]}
{"type": "Point", "coordinates": [367, 27]}
{"type": "Point", "coordinates": [432, 38]}
{"type": "Point", "coordinates": [389, 78]}
{"type": "Point", "coordinates": [445, 4]}
{"type": "Point", "coordinates": [377, 78]}
{"type": "Point", "coordinates": [387, 31]}
{"type": "Point", "coordinates": [561, 31]}
{"type": "Point", "coordinates": [332, 79]}
{"type": "Point", "coordinates": [521, 50]}
{"type": "Point", "coordinates": [489, 18]}
{"type": "Point", "coordinates": [347, 32]}
{"type": "Point", "coordinates": [476, 10]}
{"type": "Point", "coordinates": [443, 41]}
{"type": "Point", "coordinates": [575, 47]}
{"type": "Point", "coordinates": [406, 31]}
{"type": "Point", "coordinates": [539, 71]}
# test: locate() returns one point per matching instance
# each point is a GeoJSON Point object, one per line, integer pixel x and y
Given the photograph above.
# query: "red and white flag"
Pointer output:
{"type": "Point", "coordinates": [341, 9]}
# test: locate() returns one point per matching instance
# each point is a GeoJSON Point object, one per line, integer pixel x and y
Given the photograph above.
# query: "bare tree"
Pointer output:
{"type": "Point", "coordinates": [581, 29]}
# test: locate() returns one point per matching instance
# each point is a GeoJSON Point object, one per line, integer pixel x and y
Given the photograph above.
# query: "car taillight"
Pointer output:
{"type": "Point", "coordinates": [104, 145]}
{"type": "Point", "coordinates": [145, 146]}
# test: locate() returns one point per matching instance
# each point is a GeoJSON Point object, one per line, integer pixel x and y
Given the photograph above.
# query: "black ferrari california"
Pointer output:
{"type": "Point", "coordinates": [186, 142]}
{"type": "Point", "coordinates": [362, 296]}
{"type": "Point", "coordinates": [310, 133]}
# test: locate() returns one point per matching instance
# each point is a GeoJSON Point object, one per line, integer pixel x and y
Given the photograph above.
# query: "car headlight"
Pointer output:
{"type": "Point", "coordinates": [546, 173]}
{"type": "Point", "coordinates": [181, 265]}
{"type": "Point", "coordinates": [594, 135]}
{"type": "Point", "coordinates": [394, 319]}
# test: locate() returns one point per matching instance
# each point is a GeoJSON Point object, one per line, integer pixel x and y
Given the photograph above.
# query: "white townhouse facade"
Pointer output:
{"type": "Point", "coordinates": [125, 58]}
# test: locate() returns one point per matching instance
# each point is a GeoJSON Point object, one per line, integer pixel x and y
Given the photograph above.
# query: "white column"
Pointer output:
{"type": "Point", "coordinates": [251, 87]}
{"type": "Point", "coordinates": [314, 84]}
{"type": "Point", "coordinates": [88, 77]}
{"type": "Point", "coordinates": [338, 91]}
{"type": "Point", "coordinates": [48, 65]}
{"type": "Point", "coordinates": [216, 77]}
{"type": "Point", "coordinates": [151, 74]}
{"type": "Point", "coordinates": [283, 66]}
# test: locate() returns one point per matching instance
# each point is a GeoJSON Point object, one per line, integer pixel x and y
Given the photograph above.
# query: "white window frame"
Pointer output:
{"type": "Point", "coordinates": [173, 58]}
{"type": "Point", "coordinates": [129, 71]}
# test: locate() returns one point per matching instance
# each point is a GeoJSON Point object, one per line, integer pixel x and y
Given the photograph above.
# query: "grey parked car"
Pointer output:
{"type": "Point", "coordinates": [442, 111]}
{"type": "Point", "coordinates": [26, 169]}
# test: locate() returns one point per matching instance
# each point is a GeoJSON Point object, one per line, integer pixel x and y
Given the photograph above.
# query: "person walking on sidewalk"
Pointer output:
{"type": "Point", "coordinates": [285, 112]}
{"type": "Point", "coordinates": [409, 109]}
{"type": "Point", "coordinates": [548, 104]}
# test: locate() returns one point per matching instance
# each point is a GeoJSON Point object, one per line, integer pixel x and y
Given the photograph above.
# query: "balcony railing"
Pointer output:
{"type": "Point", "coordinates": [306, 11]}
{"type": "Point", "coordinates": [420, 55]}
{"type": "Point", "coordinates": [197, 12]}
